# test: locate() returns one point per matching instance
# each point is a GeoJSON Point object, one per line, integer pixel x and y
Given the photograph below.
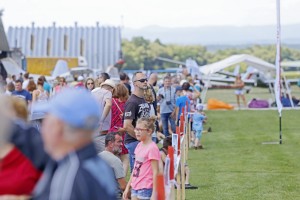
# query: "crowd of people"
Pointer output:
{"type": "Point", "coordinates": [80, 140]}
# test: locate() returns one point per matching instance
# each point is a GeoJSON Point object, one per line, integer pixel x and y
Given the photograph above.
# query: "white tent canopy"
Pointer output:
{"type": "Point", "coordinates": [255, 62]}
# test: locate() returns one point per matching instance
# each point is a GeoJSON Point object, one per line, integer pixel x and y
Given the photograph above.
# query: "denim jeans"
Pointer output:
{"type": "Point", "coordinates": [142, 193]}
{"type": "Point", "coordinates": [131, 147]}
{"type": "Point", "coordinates": [165, 118]}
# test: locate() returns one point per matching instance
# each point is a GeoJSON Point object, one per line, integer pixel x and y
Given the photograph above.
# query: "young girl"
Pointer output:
{"type": "Point", "coordinates": [198, 119]}
{"type": "Point", "coordinates": [143, 178]}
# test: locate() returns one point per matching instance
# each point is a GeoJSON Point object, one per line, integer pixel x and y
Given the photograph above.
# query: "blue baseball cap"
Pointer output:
{"type": "Point", "coordinates": [76, 107]}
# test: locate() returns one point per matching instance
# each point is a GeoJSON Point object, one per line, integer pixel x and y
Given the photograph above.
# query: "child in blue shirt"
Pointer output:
{"type": "Point", "coordinates": [198, 119]}
{"type": "Point", "coordinates": [181, 102]}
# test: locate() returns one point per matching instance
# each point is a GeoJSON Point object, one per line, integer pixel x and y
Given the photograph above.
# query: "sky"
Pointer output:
{"type": "Point", "coordinates": [142, 13]}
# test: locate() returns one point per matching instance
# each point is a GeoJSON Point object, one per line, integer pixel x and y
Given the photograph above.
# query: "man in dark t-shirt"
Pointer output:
{"type": "Point", "coordinates": [21, 93]}
{"type": "Point", "coordinates": [135, 108]}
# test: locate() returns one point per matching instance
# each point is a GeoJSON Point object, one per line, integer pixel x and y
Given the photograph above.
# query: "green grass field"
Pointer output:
{"type": "Point", "coordinates": [236, 165]}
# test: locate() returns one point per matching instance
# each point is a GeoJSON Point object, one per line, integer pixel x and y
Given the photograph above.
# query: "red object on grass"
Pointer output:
{"type": "Point", "coordinates": [171, 155]}
{"type": "Point", "coordinates": [160, 187]}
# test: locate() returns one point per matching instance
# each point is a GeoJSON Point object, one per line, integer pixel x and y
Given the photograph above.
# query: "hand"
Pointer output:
{"type": "Point", "coordinates": [160, 136]}
{"type": "Point", "coordinates": [125, 194]}
{"type": "Point", "coordinates": [173, 115]}
{"type": "Point", "coordinates": [121, 130]}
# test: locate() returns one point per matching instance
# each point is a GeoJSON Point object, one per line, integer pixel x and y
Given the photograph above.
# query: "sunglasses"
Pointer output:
{"type": "Point", "coordinates": [141, 129]}
{"type": "Point", "coordinates": [90, 83]}
{"type": "Point", "coordinates": [143, 80]}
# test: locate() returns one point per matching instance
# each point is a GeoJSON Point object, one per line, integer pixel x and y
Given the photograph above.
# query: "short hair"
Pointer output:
{"type": "Point", "coordinates": [167, 142]}
{"type": "Point", "coordinates": [105, 75]}
{"type": "Point", "coordinates": [26, 75]}
{"type": "Point", "coordinates": [134, 75]}
{"type": "Point", "coordinates": [10, 86]}
{"type": "Point", "coordinates": [18, 81]}
{"type": "Point", "coordinates": [123, 76]}
{"type": "Point", "coordinates": [167, 77]}
{"type": "Point", "coordinates": [111, 137]}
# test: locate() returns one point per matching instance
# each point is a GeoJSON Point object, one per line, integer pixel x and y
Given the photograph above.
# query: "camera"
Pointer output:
{"type": "Point", "coordinates": [168, 103]}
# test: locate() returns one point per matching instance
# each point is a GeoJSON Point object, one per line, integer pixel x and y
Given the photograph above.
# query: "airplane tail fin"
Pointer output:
{"type": "Point", "coordinates": [61, 67]}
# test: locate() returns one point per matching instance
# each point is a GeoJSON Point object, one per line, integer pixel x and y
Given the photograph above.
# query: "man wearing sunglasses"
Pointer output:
{"type": "Point", "coordinates": [135, 108]}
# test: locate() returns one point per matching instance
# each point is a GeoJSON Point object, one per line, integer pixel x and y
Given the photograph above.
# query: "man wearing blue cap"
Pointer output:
{"type": "Point", "coordinates": [76, 171]}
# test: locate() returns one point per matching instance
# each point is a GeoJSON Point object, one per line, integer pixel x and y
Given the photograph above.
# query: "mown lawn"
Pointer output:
{"type": "Point", "coordinates": [236, 165]}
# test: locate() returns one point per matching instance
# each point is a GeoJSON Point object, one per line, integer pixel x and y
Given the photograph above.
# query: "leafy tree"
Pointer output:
{"type": "Point", "coordinates": [140, 53]}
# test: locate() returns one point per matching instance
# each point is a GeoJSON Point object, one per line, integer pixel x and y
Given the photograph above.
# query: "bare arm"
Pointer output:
{"type": "Point", "coordinates": [34, 95]}
{"type": "Point", "coordinates": [196, 93]}
{"type": "Point", "coordinates": [126, 192]}
{"type": "Point", "coordinates": [162, 162]}
{"type": "Point", "coordinates": [129, 128]}
{"type": "Point", "coordinates": [106, 109]}
{"type": "Point", "coordinates": [177, 112]}
{"type": "Point", "coordinates": [154, 165]}
{"type": "Point", "coordinates": [122, 183]}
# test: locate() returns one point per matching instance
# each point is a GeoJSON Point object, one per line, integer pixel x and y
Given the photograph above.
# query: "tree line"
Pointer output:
{"type": "Point", "coordinates": [141, 53]}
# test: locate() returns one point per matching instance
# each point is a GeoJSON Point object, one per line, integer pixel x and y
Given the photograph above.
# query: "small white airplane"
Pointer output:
{"type": "Point", "coordinates": [214, 73]}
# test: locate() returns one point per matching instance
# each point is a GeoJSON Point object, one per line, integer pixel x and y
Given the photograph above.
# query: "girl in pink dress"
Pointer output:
{"type": "Point", "coordinates": [143, 178]}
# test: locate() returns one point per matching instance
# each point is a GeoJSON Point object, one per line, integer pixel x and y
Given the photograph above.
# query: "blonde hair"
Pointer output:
{"type": "Point", "coordinates": [19, 106]}
{"type": "Point", "coordinates": [16, 106]}
{"type": "Point", "coordinates": [148, 121]}
{"type": "Point", "coordinates": [148, 95]}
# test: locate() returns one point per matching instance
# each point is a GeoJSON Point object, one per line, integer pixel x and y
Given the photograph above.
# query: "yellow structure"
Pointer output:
{"type": "Point", "coordinates": [45, 65]}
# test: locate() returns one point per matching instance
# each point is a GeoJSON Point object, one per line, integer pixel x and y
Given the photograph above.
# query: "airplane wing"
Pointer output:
{"type": "Point", "coordinates": [215, 79]}
{"type": "Point", "coordinates": [11, 67]}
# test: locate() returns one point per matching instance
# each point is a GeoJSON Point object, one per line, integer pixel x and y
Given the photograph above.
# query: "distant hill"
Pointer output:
{"type": "Point", "coordinates": [218, 36]}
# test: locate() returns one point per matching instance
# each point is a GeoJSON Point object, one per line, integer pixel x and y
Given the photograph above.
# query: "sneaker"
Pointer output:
{"type": "Point", "coordinates": [209, 129]}
{"type": "Point", "coordinates": [190, 187]}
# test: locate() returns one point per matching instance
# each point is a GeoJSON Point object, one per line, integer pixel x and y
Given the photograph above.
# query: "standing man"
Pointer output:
{"type": "Point", "coordinates": [19, 92]}
{"type": "Point", "coordinates": [135, 108]}
{"type": "Point", "coordinates": [113, 147]}
{"type": "Point", "coordinates": [104, 97]}
{"type": "Point", "coordinates": [25, 81]}
{"type": "Point", "coordinates": [167, 99]}
{"type": "Point", "coordinates": [76, 172]}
